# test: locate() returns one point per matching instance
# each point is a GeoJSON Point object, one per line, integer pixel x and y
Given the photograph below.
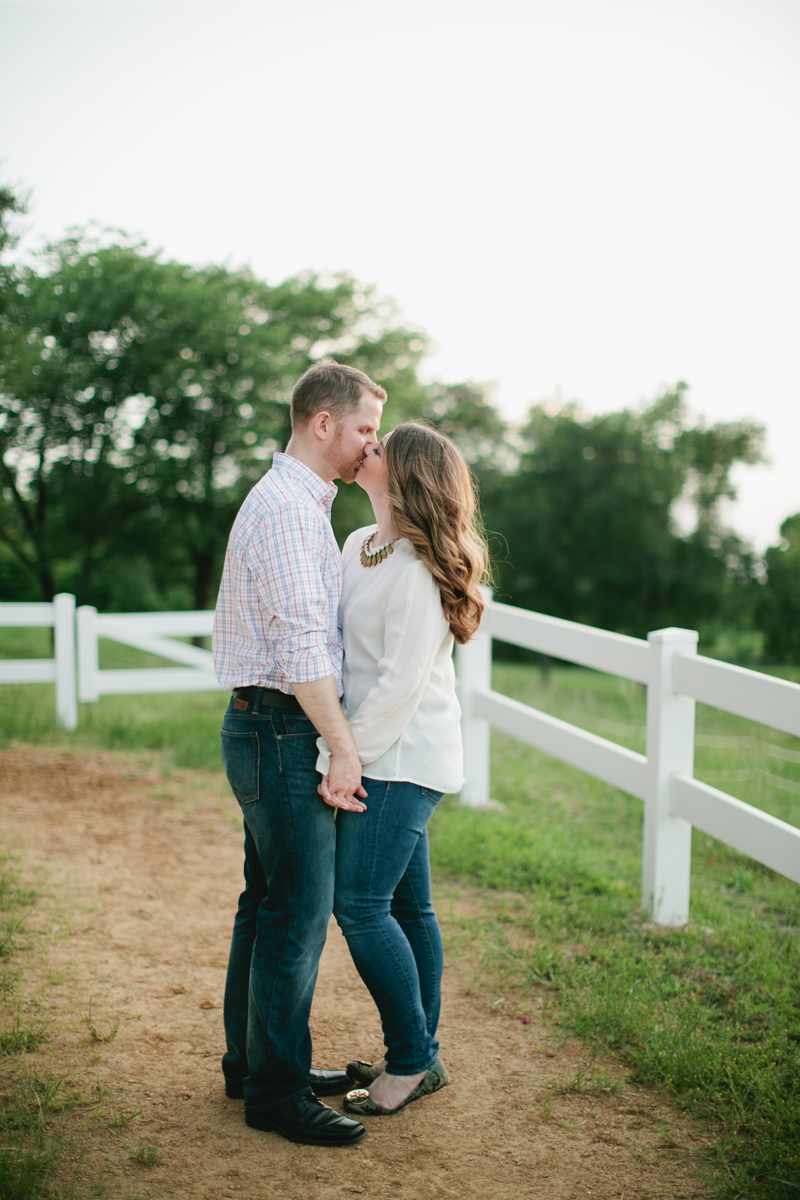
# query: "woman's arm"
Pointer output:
{"type": "Point", "coordinates": [414, 630]}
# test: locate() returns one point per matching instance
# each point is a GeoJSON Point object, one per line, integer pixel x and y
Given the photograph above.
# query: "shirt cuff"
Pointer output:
{"type": "Point", "coordinates": [306, 667]}
{"type": "Point", "coordinates": [324, 757]}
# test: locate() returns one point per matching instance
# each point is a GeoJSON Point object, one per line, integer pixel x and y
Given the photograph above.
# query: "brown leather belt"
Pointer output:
{"type": "Point", "coordinates": [267, 698]}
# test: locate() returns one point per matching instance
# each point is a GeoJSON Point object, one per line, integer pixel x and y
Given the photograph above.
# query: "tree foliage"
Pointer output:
{"type": "Point", "coordinates": [589, 516]}
{"type": "Point", "coordinates": [779, 603]}
{"type": "Point", "coordinates": [142, 399]}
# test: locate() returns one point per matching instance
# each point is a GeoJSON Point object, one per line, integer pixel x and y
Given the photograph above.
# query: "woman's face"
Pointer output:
{"type": "Point", "coordinates": [373, 474]}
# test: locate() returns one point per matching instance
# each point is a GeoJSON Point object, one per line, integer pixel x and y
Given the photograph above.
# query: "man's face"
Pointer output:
{"type": "Point", "coordinates": [353, 435]}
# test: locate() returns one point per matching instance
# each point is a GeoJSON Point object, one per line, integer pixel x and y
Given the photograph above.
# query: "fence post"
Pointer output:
{"type": "Point", "coordinates": [474, 666]}
{"type": "Point", "coordinates": [88, 654]}
{"type": "Point", "coordinates": [666, 867]}
{"type": "Point", "coordinates": [64, 630]}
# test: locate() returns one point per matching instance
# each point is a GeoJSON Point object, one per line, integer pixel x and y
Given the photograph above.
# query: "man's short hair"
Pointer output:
{"type": "Point", "coordinates": [331, 387]}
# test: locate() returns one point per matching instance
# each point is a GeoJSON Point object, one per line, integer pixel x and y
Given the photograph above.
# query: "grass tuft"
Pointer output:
{"type": "Point", "coordinates": [145, 1152]}
{"type": "Point", "coordinates": [20, 1036]}
{"type": "Point", "coordinates": [587, 1078]}
{"type": "Point", "coordinates": [119, 1120]}
{"type": "Point", "coordinates": [96, 1034]}
{"type": "Point", "coordinates": [30, 1152]}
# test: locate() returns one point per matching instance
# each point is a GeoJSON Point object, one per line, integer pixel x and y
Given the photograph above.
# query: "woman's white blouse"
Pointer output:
{"type": "Point", "coordinates": [399, 680]}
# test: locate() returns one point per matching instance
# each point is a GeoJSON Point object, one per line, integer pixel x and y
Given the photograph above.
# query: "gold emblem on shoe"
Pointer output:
{"type": "Point", "coordinates": [358, 1094]}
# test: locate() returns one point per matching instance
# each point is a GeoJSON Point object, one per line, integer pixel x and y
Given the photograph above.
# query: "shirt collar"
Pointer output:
{"type": "Point", "coordinates": [305, 477]}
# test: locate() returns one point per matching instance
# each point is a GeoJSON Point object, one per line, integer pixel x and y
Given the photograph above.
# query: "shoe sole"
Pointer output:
{"type": "Point", "coordinates": [268, 1127]}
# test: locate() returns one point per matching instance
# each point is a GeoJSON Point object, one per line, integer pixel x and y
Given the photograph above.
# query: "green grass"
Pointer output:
{"type": "Point", "coordinates": [30, 1153]}
{"type": "Point", "coordinates": [183, 727]}
{"type": "Point", "coordinates": [144, 1152]}
{"type": "Point", "coordinates": [711, 1013]}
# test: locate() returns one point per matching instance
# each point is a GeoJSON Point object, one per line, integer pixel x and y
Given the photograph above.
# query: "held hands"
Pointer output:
{"type": "Point", "coordinates": [337, 800]}
{"type": "Point", "coordinates": [342, 786]}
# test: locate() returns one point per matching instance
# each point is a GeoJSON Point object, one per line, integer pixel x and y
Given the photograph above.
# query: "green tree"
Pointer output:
{"type": "Point", "coordinates": [142, 399]}
{"type": "Point", "coordinates": [778, 614]}
{"type": "Point", "coordinates": [588, 518]}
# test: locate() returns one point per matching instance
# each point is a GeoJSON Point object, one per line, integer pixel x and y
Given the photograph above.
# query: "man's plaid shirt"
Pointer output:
{"type": "Point", "coordinates": [276, 621]}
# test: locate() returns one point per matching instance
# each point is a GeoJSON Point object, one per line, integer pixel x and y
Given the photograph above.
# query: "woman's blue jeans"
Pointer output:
{"type": "Point", "coordinates": [383, 905]}
{"type": "Point", "coordinates": [282, 920]}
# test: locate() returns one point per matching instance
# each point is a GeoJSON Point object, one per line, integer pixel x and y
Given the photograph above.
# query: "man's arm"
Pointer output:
{"type": "Point", "coordinates": [320, 702]}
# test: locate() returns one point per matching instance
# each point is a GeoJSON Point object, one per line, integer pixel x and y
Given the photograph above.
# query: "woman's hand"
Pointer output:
{"type": "Point", "coordinates": [339, 800]}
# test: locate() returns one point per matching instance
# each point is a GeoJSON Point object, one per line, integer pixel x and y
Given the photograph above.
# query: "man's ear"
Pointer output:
{"type": "Point", "coordinates": [322, 424]}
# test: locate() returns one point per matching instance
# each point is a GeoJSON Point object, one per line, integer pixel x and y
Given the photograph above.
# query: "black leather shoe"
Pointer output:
{"type": "Point", "coordinates": [306, 1121]}
{"type": "Point", "coordinates": [329, 1083]}
{"type": "Point", "coordinates": [322, 1083]}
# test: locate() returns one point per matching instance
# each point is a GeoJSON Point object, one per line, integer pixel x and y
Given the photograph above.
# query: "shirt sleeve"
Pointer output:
{"type": "Point", "coordinates": [415, 628]}
{"type": "Point", "coordinates": [285, 559]}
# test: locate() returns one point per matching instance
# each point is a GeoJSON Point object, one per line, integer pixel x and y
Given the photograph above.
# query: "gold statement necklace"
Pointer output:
{"type": "Point", "coordinates": [370, 557]}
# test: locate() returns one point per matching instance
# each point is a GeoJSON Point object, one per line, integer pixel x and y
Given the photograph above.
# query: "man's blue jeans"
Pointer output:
{"type": "Point", "coordinates": [283, 914]}
{"type": "Point", "coordinates": [383, 905]}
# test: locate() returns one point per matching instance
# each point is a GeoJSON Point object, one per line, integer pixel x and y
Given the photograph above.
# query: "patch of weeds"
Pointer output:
{"type": "Point", "coordinates": [20, 1037]}
{"type": "Point", "coordinates": [29, 1151]}
{"type": "Point", "coordinates": [603, 1082]}
{"type": "Point", "coordinates": [145, 1152]}
{"type": "Point", "coordinates": [100, 1091]}
{"type": "Point", "coordinates": [8, 980]}
{"type": "Point", "coordinates": [586, 1078]}
{"type": "Point", "coordinates": [118, 1119]}
{"type": "Point", "coordinates": [94, 1033]}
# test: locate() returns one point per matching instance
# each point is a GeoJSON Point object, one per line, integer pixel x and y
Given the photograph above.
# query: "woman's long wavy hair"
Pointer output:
{"type": "Point", "coordinates": [434, 506]}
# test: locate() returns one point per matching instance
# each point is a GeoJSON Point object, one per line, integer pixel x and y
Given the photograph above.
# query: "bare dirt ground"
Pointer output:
{"type": "Point", "coordinates": [139, 872]}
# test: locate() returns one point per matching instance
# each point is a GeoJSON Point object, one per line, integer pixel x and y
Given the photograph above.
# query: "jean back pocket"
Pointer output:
{"type": "Point", "coordinates": [241, 758]}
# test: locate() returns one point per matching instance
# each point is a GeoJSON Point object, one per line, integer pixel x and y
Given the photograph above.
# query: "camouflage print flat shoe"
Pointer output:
{"type": "Point", "coordinates": [361, 1072]}
{"type": "Point", "coordinates": [360, 1101]}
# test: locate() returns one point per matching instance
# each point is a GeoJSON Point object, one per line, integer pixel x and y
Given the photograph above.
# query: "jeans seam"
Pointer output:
{"type": "Point", "coordinates": [427, 935]}
{"type": "Point", "coordinates": [286, 934]}
{"type": "Point", "coordinates": [279, 956]}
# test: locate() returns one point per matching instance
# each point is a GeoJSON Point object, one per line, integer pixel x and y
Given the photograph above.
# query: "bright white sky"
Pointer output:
{"type": "Point", "coordinates": [587, 197]}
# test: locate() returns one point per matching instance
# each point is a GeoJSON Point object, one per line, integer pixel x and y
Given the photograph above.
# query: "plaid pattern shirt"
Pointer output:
{"type": "Point", "coordinates": [276, 621]}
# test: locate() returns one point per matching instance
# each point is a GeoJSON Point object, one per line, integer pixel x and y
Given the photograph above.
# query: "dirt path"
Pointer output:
{"type": "Point", "coordinates": [140, 873]}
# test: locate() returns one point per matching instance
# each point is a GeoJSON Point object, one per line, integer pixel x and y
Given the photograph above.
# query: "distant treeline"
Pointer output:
{"type": "Point", "coordinates": [140, 400]}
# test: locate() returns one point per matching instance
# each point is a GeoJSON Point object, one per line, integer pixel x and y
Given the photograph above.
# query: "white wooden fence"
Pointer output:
{"type": "Point", "coordinates": [154, 633]}
{"type": "Point", "coordinates": [675, 676]}
{"type": "Point", "coordinates": [60, 670]}
{"type": "Point", "coordinates": [667, 663]}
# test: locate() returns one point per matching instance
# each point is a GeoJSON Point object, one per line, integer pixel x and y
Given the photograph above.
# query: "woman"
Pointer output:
{"type": "Point", "coordinates": [410, 588]}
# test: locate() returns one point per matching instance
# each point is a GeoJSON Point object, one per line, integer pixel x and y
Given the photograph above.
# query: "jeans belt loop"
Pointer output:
{"type": "Point", "coordinates": [257, 702]}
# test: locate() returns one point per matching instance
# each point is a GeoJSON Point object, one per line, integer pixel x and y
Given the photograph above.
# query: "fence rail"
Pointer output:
{"type": "Point", "coordinates": [762, 698]}
{"type": "Point", "coordinates": [676, 676]}
{"type": "Point", "coordinates": [608, 761]}
{"type": "Point", "coordinates": [154, 633]}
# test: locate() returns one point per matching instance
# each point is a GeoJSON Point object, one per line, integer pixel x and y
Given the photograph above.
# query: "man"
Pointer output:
{"type": "Point", "coordinates": [278, 648]}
